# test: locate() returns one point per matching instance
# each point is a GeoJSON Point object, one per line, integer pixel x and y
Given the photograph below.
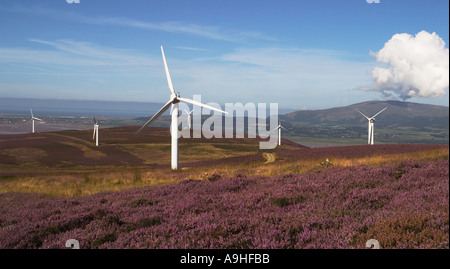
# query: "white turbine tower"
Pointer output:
{"type": "Point", "coordinates": [174, 100]}
{"type": "Point", "coordinates": [32, 120]}
{"type": "Point", "coordinates": [95, 135]}
{"type": "Point", "coordinates": [279, 127]}
{"type": "Point", "coordinates": [189, 116]}
{"type": "Point", "coordinates": [371, 125]}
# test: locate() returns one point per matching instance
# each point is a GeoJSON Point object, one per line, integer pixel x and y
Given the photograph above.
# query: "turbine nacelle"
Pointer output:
{"type": "Point", "coordinates": [371, 119]}
{"type": "Point", "coordinates": [33, 117]}
{"type": "Point", "coordinates": [371, 125]}
{"type": "Point", "coordinates": [279, 127]}
{"type": "Point", "coordinates": [175, 98]}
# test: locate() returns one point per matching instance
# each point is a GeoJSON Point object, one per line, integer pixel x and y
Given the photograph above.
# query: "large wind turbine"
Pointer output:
{"type": "Point", "coordinates": [371, 124]}
{"type": "Point", "coordinates": [32, 120]}
{"type": "Point", "coordinates": [95, 135]}
{"type": "Point", "coordinates": [173, 101]}
{"type": "Point", "coordinates": [279, 127]}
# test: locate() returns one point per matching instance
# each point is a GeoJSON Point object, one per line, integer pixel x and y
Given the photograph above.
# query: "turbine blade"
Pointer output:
{"type": "Point", "coordinates": [276, 128]}
{"type": "Point", "coordinates": [362, 114]}
{"type": "Point", "coordinates": [37, 119]}
{"type": "Point", "coordinates": [95, 121]}
{"type": "Point", "coordinates": [378, 113]}
{"type": "Point", "coordinates": [192, 102]}
{"type": "Point", "coordinates": [31, 112]}
{"type": "Point", "coordinates": [283, 128]}
{"type": "Point", "coordinates": [159, 113]}
{"type": "Point", "coordinates": [169, 80]}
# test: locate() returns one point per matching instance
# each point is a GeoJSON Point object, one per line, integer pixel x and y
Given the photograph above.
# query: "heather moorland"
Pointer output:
{"type": "Point", "coordinates": [123, 194]}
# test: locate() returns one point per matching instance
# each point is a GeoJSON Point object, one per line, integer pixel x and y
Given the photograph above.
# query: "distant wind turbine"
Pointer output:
{"type": "Point", "coordinates": [95, 135]}
{"type": "Point", "coordinates": [173, 101]}
{"type": "Point", "coordinates": [371, 124]}
{"type": "Point", "coordinates": [279, 127]}
{"type": "Point", "coordinates": [32, 120]}
{"type": "Point", "coordinates": [189, 116]}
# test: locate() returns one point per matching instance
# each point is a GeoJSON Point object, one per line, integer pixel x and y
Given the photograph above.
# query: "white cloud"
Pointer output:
{"type": "Point", "coordinates": [417, 66]}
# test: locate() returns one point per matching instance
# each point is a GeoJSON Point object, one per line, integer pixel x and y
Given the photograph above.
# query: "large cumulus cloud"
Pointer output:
{"type": "Point", "coordinates": [416, 66]}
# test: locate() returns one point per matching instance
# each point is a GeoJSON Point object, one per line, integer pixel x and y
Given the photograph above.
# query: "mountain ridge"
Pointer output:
{"type": "Point", "coordinates": [369, 108]}
{"type": "Point", "coordinates": [401, 122]}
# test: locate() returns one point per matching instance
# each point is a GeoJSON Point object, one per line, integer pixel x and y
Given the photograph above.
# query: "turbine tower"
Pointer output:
{"type": "Point", "coordinates": [95, 135]}
{"type": "Point", "coordinates": [32, 120]}
{"type": "Point", "coordinates": [173, 101]}
{"type": "Point", "coordinates": [279, 127]}
{"type": "Point", "coordinates": [189, 116]}
{"type": "Point", "coordinates": [371, 125]}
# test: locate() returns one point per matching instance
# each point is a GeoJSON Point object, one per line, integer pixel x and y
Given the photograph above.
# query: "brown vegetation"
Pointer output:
{"type": "Point", "coordinates": [67, 163]}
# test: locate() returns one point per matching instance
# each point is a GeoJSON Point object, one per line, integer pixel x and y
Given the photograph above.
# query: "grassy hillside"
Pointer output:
{"type": "Point", "coordinates": [67, 163]}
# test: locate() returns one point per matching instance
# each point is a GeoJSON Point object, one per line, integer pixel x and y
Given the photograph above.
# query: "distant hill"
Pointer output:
{"type": "Point", "coordinates": [401, 122]}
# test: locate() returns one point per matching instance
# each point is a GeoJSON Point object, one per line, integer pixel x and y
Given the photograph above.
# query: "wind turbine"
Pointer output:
{"type": "Point", "coordinates": [189, 115]}
{"type": "Point", "coordinates": [173, 101]}
{"type": "Point", "coordinates": [279, 127]}
{"type": "Point", "coordinates": [95, 135]}
{"type": "Point", "coordinates": [32, 120]}
{"type": "Point", "coordinates": [371, 124]}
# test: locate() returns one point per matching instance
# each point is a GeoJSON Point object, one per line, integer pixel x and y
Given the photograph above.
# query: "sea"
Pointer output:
{"type": "Point", "coordinates": [56, 107]}
{"type": "Point", "coordinates": [88, 108]}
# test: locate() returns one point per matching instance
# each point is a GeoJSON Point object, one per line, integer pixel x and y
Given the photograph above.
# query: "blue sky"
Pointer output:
{"type": "Point", "coordinates": [299, 54]}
